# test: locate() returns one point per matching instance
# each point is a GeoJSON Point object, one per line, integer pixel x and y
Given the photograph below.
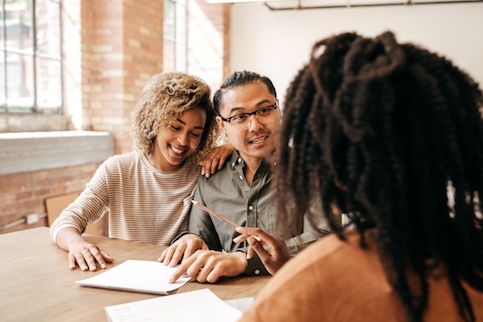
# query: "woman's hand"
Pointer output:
{"type": "Point", "coordinates": [87, 256]}
{"type": "Point", "coordinates": [215, 159]}
{"type": "Point", "coordinates": [82, 253]}
{"type": "Point", "coordinates": [271, 250]}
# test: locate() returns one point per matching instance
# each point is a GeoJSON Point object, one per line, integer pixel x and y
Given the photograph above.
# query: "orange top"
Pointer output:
{"type": "Point", "coordinates": [333, 280]}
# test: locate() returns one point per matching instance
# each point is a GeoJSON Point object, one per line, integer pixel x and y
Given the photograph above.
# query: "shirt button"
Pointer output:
{"type": "Point", "coordinates": [241, 177]}
{"type": "Point", "coordinates": [257, 272]}
{"type": "Point", "coordinates": [239, 160]}
{"type": "Point", "coordinates": [250, 208]}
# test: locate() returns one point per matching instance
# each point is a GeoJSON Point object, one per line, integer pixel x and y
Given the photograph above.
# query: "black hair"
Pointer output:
{"type": "Point", "coordinates": [389, 132]}
{"type": "Point", "coordinates": [240, 78]}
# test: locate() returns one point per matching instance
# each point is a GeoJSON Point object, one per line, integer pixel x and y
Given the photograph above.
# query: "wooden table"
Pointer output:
{"type": "Point", "coordinates": [37, 285]}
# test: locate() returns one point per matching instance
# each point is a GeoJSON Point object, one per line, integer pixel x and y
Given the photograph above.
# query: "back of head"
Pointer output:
{"type": "Point", "coordinates": [240, 78]}
{"type": "Point", "coordinates": [167, 96]}
{"type": "Point", "coordinates": [392, 134]}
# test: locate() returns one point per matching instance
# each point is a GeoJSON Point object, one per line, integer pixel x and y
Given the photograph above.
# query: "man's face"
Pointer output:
{"type": "Point", "coordinates": [254, 141]}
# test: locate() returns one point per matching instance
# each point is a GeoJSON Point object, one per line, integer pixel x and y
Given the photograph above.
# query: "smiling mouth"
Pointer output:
{"type": "Point", "coordinates": [258, 140]}
{"type": "Point", "coordinates": [177, 151]}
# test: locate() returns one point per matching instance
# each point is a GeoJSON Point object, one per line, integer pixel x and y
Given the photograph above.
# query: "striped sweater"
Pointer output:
{"type": "Point", "coordinates": [142, 202]}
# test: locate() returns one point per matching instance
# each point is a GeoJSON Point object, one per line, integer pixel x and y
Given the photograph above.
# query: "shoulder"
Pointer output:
{"type": "Point", "coordinates": [122, 163]}
{"type": "Point", "coordinates": [125, 158]}
{"type": "Point", "coordinates": [328, 260]}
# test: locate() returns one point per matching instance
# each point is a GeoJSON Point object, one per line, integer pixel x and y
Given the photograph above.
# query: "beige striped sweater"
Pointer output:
{"type": "Point", "coordinates": [142, 202]}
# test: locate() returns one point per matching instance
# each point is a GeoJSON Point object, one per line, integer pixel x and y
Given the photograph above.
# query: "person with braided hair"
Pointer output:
{"type": "Point", "coordinates": [390, 134]}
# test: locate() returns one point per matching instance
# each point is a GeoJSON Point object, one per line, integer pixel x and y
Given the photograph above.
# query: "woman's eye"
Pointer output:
{"type": "Point", "coordinates": [175, 128]}
{"type": "Point", "coordinates": [196, 135]}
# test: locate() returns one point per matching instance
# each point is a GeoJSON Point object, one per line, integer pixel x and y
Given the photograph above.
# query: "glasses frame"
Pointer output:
{"type": "Point", "coordinates": [248, 114]}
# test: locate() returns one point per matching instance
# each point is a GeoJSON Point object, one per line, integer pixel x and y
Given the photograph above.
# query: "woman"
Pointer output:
{"type": "Point", "coordinates": [147, 192]}
{"type": "Point", "coordinates": [391, 135]}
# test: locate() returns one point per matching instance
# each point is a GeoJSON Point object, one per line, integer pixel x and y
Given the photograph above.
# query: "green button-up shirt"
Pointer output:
{"type": "Point", "coordinates": [228, 193]}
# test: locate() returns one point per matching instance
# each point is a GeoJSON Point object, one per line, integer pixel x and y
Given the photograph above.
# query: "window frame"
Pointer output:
{"type": "Point", "coordinates": [179, 45]}
{"type": "Point", "coordinates": [36, 57]}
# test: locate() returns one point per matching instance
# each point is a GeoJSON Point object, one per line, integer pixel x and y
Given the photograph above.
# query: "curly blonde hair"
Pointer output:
{"type": "Point", "coordinates": [165, 97]}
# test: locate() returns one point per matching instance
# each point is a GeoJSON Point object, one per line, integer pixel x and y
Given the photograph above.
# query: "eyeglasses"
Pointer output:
{"type": "Point", "coordinates": [263, 115]}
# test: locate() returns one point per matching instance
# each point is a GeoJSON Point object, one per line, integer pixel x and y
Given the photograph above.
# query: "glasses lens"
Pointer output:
{"type": "Point", "coordinates": [266, 115]}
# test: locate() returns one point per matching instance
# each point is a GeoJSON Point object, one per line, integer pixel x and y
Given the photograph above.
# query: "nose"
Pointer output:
{"type": "Point", "coordinates": [254, 124]}
{"type": "Point", "coordinates": [183, 138]}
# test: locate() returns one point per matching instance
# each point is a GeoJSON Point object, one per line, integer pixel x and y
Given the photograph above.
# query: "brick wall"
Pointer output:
{"type": "Point", "coordinates": [24, 193]}
{"type": "Point", "coordinates": [111, 49]}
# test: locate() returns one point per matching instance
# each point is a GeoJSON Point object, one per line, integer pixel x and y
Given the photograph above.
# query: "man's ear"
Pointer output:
{"type": "Point", "coordinates": [221, 125]}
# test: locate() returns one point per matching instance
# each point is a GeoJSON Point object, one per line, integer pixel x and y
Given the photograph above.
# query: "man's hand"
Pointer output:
{"type": "Point", "coordinates": [182, 249]}
{"type": "Point", "coordinates": [271, 250]}
{"type": "Point", "coordinates": [207, 266]}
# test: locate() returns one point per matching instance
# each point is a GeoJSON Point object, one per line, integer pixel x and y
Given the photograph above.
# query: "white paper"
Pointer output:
{"type": "Point", "coordinates": [137, 276]}
{"type": "Point", "coordinates": [200, 306]}
{"type": "Point", "coordinates": [241, 304]}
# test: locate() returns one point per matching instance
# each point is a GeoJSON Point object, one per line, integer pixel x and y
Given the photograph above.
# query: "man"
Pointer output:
{"type": "Point", "coordinates": [249, 115]}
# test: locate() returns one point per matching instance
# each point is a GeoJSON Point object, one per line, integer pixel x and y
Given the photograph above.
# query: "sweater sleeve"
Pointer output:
{"type": "Point", "coordinates": [88, 208]}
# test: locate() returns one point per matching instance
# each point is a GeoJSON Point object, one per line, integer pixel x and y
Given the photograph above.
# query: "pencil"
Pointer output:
{"type": "Point", "coordinates": [214, 213]}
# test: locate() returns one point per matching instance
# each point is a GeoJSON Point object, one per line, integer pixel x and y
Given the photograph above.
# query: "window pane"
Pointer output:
{"type": "Point", "coordinates": [169, 19]}
{"type": "Point", "coordinates": [49, 87]}
{"type": "Point", "coordinates": [169, 59]}
{"type": "Point", "coordinates": [3, 95]}
{"type": "Point", "coordinates": [19, 25]}
{"type": "Point", "coordinates": [47, 19]}
{"type": "Point", "coordinates": [20, 82]}
{"type": "Point", "coordinates": [2, 18]}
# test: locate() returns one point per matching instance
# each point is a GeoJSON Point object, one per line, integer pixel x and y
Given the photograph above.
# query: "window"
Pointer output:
{"type": "Point", "coordinates": [175, 36]}
{"type": "Point", "coordinates": [30, 56]}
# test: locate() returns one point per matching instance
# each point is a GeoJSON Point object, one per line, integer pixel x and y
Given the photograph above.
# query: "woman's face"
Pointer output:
{"type": "Point", "coordinates": [178, 140]}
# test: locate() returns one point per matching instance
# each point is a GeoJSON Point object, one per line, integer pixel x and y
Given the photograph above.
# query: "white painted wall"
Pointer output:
{"type": "Point", "coordinates": [278, 43]}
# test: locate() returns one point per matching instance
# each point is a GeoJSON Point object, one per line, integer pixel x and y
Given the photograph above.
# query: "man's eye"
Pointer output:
{"type": "Point", "coordinates": [239, 118]}
{"type": "Point", "coordinates": [264, 111]}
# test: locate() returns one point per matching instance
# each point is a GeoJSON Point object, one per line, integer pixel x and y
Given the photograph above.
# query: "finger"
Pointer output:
{"type": "Point", "coordinates": [177, 256]}
{"type": "Point", "coordinates": [181, 270]}
{"type": "Point", "coordinates": [163, 256]}
{"type": "Point", "coordinates": [81, 262]}
{"type": "Point", "coordinates": [222, 161]}
{"type": "Point", "coordinates": [192, 248]}
{"type": "Point", "coordinates": [261, 252]}
{"type": "Point", "coordinates": [90, 261]}
{"type": "Point", "coordinates": [97, 256]}
{"type": "Point", "coordinates": [71, 261]}
{"type": "Point", "coordinates": [241, 238]}
{"type": "Point", "coordinates": [215, 165]}
{"type": "Point", "coordinates": [249, 252]}
{"type": "Point", "coordinates": [211, 166]}
{"type": "Point", "coordinates": [251, 231]}
{"type": "Point", "coordinates": [212, 276]}
{"type": "Point", "coordinates": [108, 258]}
{"type": "Point", "coordinates": [168, 254]}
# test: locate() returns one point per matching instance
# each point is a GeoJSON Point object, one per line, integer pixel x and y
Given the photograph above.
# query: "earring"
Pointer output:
{"type": "Point", "coordinates": [224, 134]}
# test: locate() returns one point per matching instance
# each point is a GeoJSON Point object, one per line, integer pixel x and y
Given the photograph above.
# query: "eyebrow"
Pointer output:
{"type": "Point", "coordinates": [196, 127]}
{"type": "Point", "coordinates": [234, 109]}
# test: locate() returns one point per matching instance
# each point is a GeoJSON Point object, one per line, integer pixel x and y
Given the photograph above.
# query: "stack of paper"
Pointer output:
{"type": "Point", "coordinates": [137, 276]}
{"type": "Point", "coordinates": [200, 306]}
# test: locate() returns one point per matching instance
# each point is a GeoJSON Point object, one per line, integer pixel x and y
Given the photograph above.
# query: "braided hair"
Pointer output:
{"type": "Point", "coordinates": [393, 135]}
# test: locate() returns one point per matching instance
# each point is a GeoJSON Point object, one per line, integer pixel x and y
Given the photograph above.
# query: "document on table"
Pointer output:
{"type": "Point", "coordinates": [201, 305]}
{"type": "Point", "coordinates": [137, 276]}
